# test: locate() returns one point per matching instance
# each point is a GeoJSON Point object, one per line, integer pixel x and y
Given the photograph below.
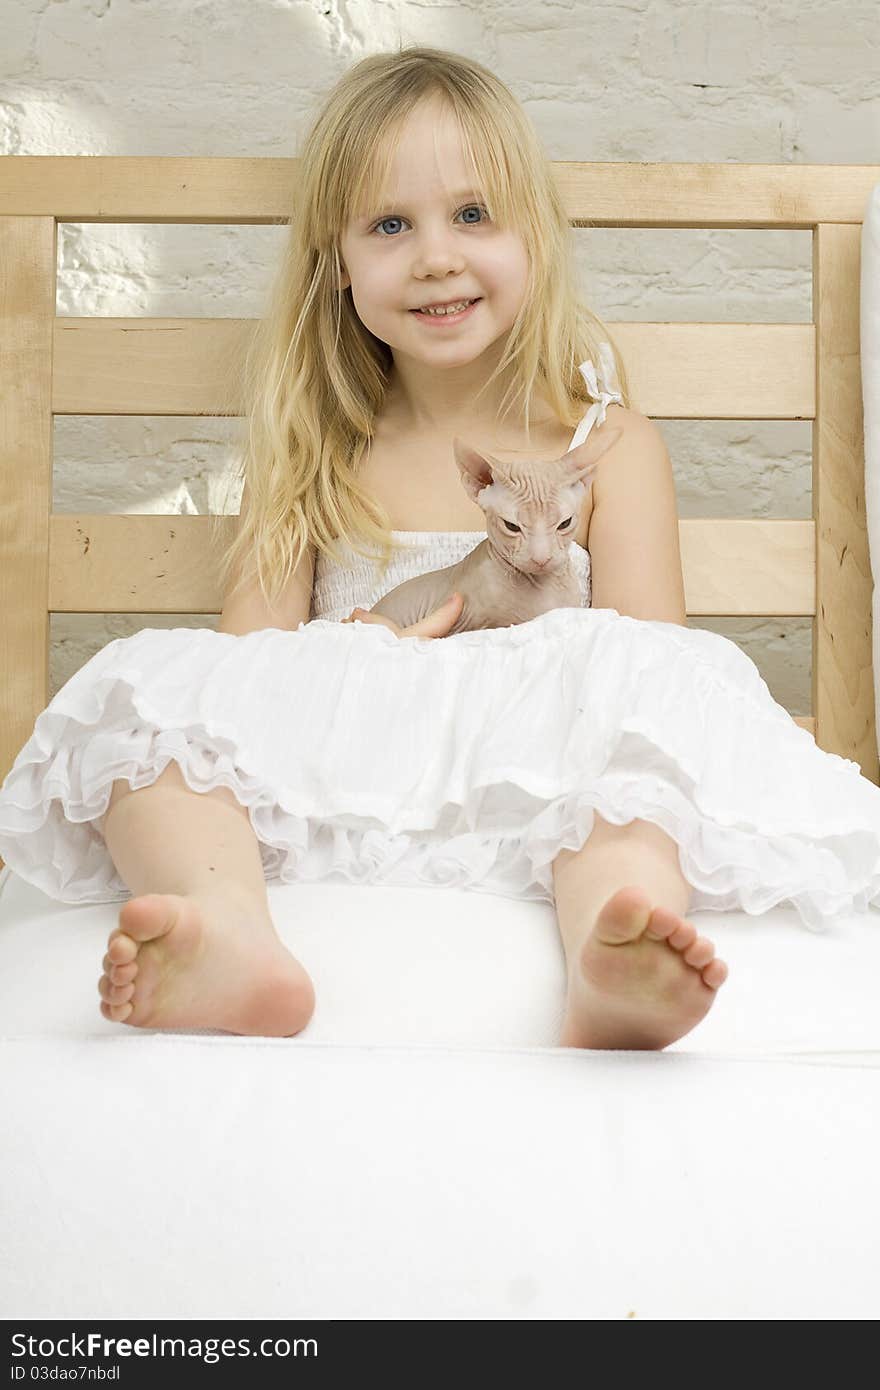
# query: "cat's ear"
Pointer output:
{"type": "Point", "coordinates": [475, 468]}
{"type": "Point", "coordinates": [581, 462]}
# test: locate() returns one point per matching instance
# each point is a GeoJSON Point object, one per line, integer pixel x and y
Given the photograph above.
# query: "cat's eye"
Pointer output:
{"type": "Point", "coordinates": [563, 524]}
{"type": "Point", "coordinates": [513, 526]}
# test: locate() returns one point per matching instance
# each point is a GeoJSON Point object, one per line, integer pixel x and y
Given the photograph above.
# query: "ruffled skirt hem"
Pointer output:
{"type": "Point", "coordinates": [465, 763]}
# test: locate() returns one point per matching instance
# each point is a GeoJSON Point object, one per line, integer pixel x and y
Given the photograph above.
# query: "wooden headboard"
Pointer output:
{"type": "Point", "coordinates": [141, 366]}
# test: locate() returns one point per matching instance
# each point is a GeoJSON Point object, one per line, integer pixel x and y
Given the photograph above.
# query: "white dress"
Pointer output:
{"type": "Point", "coordinates": [465, 761]}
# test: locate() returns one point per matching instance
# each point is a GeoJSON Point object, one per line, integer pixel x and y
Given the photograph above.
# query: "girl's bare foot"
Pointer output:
{"type": "Point", "coordinates": [644, 977]}
{"type": "Point", "coordinates": [207, 961]}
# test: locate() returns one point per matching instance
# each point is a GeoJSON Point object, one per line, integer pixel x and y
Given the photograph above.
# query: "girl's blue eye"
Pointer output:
{"type": "Point", "coordinates": [394, 218]}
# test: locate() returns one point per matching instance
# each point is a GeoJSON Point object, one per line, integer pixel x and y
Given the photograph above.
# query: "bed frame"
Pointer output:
{"type": "Point", "coordinates": [162, 564]}
{"type": "Point", "coordinates": [431, 1161]}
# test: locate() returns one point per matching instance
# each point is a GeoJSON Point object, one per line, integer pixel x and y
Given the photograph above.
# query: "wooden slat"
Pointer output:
{"type": "Point", "coordinates": [245, 191]}
{"type": "Point", "coordinates": [164, 564]}
{"type": "Point", "coordinates": [720, 371]}
{"type": "Point", "coordinates": [27, 309]}
{"type": "Point", "coordinates": [749, 568]}
{"type": "Point", "coordinates": [151, 188]}
{"type": "Point", "coordinates": [148, 366]}
{"type": "Point", "coordinates": [677, 371]}
{"type": "Point", "coordinates": [783, 196]}
{"type": "Point", "coordinates": [843, 686]}
{"type": "Point", "coordinates": [135, 564]}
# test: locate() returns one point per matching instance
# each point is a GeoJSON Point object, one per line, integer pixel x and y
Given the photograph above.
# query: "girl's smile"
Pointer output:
{"type": "Point", "coordinates": [446, 319]}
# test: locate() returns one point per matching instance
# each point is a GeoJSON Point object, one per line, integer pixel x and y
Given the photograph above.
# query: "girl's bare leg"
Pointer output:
{"type": "Point", "coordinates": [639, 976]}
{"type": "Point", "coordinates": [195, 946]}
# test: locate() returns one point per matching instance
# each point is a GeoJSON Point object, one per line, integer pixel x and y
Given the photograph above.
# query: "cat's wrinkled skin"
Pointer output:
{"type": "Point", "coordinates": [513, 575]}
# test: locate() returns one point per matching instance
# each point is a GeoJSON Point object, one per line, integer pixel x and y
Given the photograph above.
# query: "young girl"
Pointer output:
{"type": "Point", "coordinates": [605, 758]}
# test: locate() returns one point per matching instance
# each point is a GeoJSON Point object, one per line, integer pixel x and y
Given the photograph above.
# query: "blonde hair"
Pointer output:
{"type": "Point", "coordinates": [315, 378]}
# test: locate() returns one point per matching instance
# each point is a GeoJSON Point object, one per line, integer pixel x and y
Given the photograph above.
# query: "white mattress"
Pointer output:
{"type": "Point", "coordinates": [423, 1149]}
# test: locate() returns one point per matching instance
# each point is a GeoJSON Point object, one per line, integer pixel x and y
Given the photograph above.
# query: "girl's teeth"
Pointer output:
{"type": "Point", "coordinates": [452, 309]}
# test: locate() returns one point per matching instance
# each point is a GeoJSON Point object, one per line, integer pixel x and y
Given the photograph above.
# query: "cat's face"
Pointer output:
{"type": "Point", "coordinates": [533, 509]}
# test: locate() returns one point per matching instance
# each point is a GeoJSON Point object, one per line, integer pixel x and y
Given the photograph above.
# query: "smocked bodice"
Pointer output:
{"type": "Point", "coordinates": [357, 582]}
{"type": "Point", "coordinates": [338, 588]}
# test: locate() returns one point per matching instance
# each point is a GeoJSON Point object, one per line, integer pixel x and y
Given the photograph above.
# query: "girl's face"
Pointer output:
{"type": "Point", "coordinates": [433, 243]}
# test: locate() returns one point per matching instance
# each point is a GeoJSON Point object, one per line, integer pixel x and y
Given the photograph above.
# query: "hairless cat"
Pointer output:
{"type": "Point", "coordinates": [523, 568]}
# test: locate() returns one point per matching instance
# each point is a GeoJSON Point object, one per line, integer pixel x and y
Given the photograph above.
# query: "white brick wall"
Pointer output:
{"type": "Point", "coordinates": [763, 81]}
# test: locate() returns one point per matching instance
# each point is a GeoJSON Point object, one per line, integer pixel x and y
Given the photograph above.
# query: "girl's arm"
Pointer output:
{"type": "Point", "coordinates": [634, 536]}
{"type": "Point", "coordinates": [247, 611]}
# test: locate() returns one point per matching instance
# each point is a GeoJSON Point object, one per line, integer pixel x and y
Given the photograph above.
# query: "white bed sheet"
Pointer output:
{"type": "Point", "coordinates": [423, 1149]}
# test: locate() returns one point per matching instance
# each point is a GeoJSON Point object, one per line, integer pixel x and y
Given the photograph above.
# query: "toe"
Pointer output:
{"type": "Point", "coordinates": [119, 974]}
{"type": "Point", "coordinates": [683, 937]}
{"type": "Point", "coordinates": [150, 915]}
{"type": "Point", "coordinates": [624, 917]}
{"type": "Point", "coordinates": [121, 949]}
{"type": "Point", "coordinates": [715, 974]}
{"type": "Point", "coordinates": [666, 925]}
{"type": "Point", "coordinates": [112, 993]}
{"type": "Point", "coordinates": [700, 954]}
{"type": "Point", "coordinates": [116, 1013]}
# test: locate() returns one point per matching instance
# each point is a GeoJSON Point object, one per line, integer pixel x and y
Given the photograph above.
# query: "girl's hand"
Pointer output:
{"type": "Point", "coordinates": [437, 624]}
